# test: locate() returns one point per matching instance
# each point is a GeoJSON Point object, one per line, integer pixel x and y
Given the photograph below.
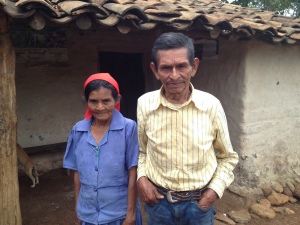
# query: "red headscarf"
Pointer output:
{"type": "Point", "coordinates": [109, 79]}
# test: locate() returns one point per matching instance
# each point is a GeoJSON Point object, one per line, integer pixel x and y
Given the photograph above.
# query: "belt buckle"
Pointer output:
{"type": "Point", "coordinates": [169, 197]}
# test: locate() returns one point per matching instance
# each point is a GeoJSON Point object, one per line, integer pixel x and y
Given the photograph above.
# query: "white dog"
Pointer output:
{"type": "Point", "coordinates": [30, 167]}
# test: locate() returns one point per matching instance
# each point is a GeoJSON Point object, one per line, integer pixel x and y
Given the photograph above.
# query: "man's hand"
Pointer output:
{"type": "Point", "coordinates": [208, 198]}
{"type": "Point", "coordinates": [148, 191]}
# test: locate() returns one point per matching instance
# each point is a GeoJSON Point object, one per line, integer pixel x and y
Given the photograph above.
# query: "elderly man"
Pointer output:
{"type": "Point", "coordinates": [186, 159]}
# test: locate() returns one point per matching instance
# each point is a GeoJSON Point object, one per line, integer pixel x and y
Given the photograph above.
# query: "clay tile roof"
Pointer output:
{"type": "Point", "coordinates": [211, 16]}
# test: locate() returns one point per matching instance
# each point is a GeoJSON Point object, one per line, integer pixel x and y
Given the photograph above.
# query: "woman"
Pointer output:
{"type": "Point", "coordinates": [103, 150]}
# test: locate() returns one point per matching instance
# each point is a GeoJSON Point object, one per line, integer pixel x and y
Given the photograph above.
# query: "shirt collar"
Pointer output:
{"type": "Point", "coordinates": [162, 101]}
{"type": "Point", "coordinates": [117, 122]}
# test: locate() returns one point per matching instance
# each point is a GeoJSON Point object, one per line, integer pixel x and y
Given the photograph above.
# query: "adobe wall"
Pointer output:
{"type": "Point", "coordinates": [258, 85]}
{"type": "Point", "coordinates": [272, 112]}
{"type": "Point", "coordinates": [49, 96]}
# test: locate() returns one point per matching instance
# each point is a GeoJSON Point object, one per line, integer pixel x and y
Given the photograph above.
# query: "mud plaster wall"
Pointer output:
{"type": "Point", "coordinates": [49, 97]}
{"type": "Point", "coordinates": [258, 86]}
{"type": "Point", "coordinates": [271, 128]}
{"type": "Point", "coordinates": [224, 77]}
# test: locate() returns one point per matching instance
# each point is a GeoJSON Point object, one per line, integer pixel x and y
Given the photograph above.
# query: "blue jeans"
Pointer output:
{"type": "Point", "coordinates": [180, 213]}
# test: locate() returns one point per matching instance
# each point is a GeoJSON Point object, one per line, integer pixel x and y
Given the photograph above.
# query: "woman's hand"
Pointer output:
{"type": "Point", "coordinates": [79, 222]}
{"type": "Point", "coordinates": [129, 220]}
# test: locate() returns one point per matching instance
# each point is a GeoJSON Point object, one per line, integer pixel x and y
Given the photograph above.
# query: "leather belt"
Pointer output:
{"type": "Point", "coordinates": [177, 196]}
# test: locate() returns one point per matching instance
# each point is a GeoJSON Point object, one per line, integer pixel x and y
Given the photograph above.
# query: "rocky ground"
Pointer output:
{"type": "Point", "coordinates": [52, 202]}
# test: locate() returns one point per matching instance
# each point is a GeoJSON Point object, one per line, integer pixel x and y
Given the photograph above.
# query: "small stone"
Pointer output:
{"type": "Point", "coordinates": [292, 200]}
{"type": "Point", "coordinates": [265, 202]}
{"type": "Point", "coordinates": [223, 218]}
{"type": "Point", "coordinates": [291, 186]}
{"type": "Point", "coordinates": [283, 210]}
{"type": "Point", "coordinates": [289, 211]}
{"type": "Point", "coordinates": [278, 209]}
{"type": "Point", "coordinates": [241, 216]}
{"type": "Point", "coordinates": [240, 191]}
{"type": "Point", "coordinates": [287, 191]}
{"type": "Point", "coordinates": [217, 222]}
{"type": "Point", "coordinates": [277, 187]}
{"type": "Point", "coordinates": [283, 184]}
{"type": "Point", "coordinates": [278, 199]}
{"type": "Point", "coordinates": [267, 191]}
{"type": "Point", "coordinates": [254, 216]}
{"type": "Point", "coordinates": [262, 211]}
{"type": "Point", "coordinates": [297, 190]}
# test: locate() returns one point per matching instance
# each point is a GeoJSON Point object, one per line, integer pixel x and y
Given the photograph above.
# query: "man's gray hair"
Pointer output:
{"type": "Point", "coordinates": [173, 40]}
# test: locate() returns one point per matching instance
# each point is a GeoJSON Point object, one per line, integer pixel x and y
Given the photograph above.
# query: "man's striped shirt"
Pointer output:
{"type": "Point", "coordinates": [185, 147]}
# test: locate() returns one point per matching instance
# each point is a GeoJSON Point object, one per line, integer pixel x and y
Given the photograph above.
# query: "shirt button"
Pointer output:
{"type": "Point", "coordinates": [95, 189]}
{"type": "Point", "coordinates": [96, 168]}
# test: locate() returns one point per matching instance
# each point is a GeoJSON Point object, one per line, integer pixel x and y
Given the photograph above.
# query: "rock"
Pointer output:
{"type": "Point", "coordinates": [297, 190]}
{"type": "Point", "coordinates": [292, 200]}
{"type": "Point", "coordinates": [240, 191]}
{"type": "Point", "coordinates": [254, 216]}
{"type": "Point", "coordinates": [241, 216]}
{"type": "Point", "coordinates": [224, 219]}
{"type": "Point", "coordinates": [277, 187]}
{"type": "Point", "coordinates": [217, 222]}
{"type": "Point", "coordinates": [289, 211]}
{"type": "Point", "coordinates": [283, 210]}
{"type": "Point", "coordinates": [262, 211]}
{"type": "Point", "coordinates": [278, 199]}
{"type": "Point", "coordinates": [255, 192]}
{"type": "Point", "coordinates": [265, 202]}
{"type": "Point", "coordinates": [283, 184]}
{"type": "Point", "coordinates": [249, 201]}
{"type": "Point", "coordinates": [267, 191]}
{"type": "Point", "coordinates": [291, 186]}
{"type": "Point", "coordinates": [287, 191]}
{"type": "Point", "coordinates": [297, 180]}
{"type": "Point", "coordinates": [278, 209]}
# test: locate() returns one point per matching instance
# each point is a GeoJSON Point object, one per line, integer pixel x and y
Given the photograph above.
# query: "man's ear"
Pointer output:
{"type": "Point", "coordinates": [195, 66]}
{"type": "Point", "coordinates": [153, 68]}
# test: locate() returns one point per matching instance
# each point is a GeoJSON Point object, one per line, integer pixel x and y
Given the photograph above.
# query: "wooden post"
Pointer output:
{"type": "Point", "coordinates": [10, 213]}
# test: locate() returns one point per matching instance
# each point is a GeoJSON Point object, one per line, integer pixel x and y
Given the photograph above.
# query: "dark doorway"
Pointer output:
{"type": "Point", "coordinates": [127, 69]}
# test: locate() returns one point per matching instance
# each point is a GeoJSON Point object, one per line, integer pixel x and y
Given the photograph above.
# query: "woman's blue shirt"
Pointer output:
{"type": "Point", "coordinates": [103, 168]}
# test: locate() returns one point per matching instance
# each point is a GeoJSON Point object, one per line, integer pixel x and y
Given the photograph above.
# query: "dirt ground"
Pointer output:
{"type": "Point", "coordinates": [52, 202]}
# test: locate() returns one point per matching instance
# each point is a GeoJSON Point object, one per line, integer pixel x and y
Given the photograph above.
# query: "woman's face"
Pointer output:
{"type": "Point", "coordinates": [102, 104]}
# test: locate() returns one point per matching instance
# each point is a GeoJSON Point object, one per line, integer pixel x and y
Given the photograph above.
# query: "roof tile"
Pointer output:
{"type": "Point", "coordinates": [217, 18]}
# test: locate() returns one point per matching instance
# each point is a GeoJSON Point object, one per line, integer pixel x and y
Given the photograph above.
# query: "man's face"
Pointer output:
{"type": "Point", "coordinates": [174, 70]}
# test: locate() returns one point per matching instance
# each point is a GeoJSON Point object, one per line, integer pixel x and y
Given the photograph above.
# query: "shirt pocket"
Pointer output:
{"type": "Point", "coordinates": [112, 169]}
